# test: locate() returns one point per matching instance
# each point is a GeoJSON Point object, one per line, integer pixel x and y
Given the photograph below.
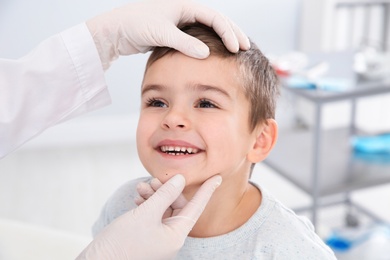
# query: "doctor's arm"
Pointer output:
{"type": "Point", "coordinates": [64, 76]}
{"type": "Point", "coordinates": [60, 79]}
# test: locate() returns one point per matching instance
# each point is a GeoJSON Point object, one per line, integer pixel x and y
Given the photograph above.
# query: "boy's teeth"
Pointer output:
{"type": "Point", "coordinates": [178, 150]}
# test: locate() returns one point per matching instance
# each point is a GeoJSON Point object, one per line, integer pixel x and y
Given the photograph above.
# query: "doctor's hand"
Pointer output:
{"type": "Point", "coordinates": [147, 189]}
{"type": "Point", "coordinates": [136, 27]}
{"type": "Point", "coordinates": [143, 233]}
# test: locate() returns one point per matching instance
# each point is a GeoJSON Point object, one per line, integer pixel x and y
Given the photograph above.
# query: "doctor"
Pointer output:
{"type": "Point", "coordinates": [64, 77]}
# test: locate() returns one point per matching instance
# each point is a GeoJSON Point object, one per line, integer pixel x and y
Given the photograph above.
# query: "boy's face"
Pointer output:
{"type": "Point", "coordinates": [193, 120]}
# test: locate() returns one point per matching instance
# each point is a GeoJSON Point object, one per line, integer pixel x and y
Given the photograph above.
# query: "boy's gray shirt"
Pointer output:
{"type": "Point", "coordinates": [273, 232]}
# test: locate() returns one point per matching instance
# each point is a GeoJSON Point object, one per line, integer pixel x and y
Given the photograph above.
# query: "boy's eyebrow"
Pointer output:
{"type": "Point", "coordinates": [197, 87]}
{"type": "Point", "coordinates": [211, 88]}
{"type": "Point", "coordinates": [151, 87]}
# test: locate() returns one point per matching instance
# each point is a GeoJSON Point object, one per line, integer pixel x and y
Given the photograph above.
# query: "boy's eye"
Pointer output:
{"type": "Point", "coordinates": [155, 103]}
{"type": "Point", "coordinates": [203, 103]}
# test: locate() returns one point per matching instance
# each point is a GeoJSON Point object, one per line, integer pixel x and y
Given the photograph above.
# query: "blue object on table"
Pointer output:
{"type": "Point", "coordinates": [340, 243]}
{"type": "Point", "coordinates": [343, 240]}
{"type": "Point", "coordinates": [372, 144]}
{"type": "Point", "coordinates": [334, 84]}
{"type": "Point", "coordinates": [372, 148]}
{"type": "Point", "coordinates": [300, 82]}
{"type": "Point", "coordinates": [328, 84]}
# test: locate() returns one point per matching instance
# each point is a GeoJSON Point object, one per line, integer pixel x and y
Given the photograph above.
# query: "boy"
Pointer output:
{"type": "Point", "coordinates": [200, 118]}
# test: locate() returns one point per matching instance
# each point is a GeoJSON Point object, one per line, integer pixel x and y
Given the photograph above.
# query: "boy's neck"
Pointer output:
{"type": "Point", "coordinates": [229, 208]}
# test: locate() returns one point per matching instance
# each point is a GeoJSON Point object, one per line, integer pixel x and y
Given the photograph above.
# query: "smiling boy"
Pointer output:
{"type": "Point", "coordinates": [200, 118]}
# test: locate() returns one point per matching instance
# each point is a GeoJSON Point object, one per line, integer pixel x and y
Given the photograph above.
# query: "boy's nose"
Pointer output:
{"type": "Point", "coordinates": [176, 119]}
{"type": "Point", "coordinates": [168, 126]}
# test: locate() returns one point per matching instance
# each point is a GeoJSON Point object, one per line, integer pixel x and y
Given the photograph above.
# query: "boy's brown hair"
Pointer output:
{"type": "Point", "coordinates": [259, 80]}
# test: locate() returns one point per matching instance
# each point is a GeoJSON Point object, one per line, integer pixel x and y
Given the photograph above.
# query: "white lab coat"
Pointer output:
{"type": "Point", "coordinates": [60, 79]}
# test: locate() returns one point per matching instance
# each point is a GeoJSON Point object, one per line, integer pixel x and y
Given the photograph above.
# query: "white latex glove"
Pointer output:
{"type": "Point", "coordinates": [142, 233]}
{"type": "Point", "coordinates": [146, 190]}
{"type": "Point", "coordinates": [136, 27]}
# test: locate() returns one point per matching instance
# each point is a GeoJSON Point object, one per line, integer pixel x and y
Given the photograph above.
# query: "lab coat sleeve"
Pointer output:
{"type": "Point", "coordinates": [60, 79]}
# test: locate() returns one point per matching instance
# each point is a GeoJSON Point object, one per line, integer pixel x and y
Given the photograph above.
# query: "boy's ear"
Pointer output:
{"type": "Point", "coordinates": [266, 136]}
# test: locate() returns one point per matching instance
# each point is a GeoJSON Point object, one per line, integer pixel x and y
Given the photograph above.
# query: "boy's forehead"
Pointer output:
{"type": "Point", "coordinates": [184, 61]}
{"type": "Point", "coordinates": [214, 71]}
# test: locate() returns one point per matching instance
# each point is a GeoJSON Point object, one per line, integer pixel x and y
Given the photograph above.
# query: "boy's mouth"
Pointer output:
{"type": "Point", "coordinates": [178, 150]}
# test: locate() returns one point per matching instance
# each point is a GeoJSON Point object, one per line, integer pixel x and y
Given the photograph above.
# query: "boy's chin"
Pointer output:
{"type": "Point", "coordinates": [164, 177]}
{"type": "Point", "coordinates": [190, 181]}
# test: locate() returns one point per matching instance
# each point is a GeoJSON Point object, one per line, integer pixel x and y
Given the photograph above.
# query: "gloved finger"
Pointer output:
{"type": "Point", "coordinates": [188, 216]}
{"type": "Point", "coordinates": [177, 204]}
{"type": "Point", "coordinates": [222, 27]}
{"type": "Point", "coordinates": [168, 213]}
{"type": "Point", "coordinates": [139, 200]}
{"type": "Point", "coordinates": [196, 205]}
{"type": "Point", "coordinates": [145, 190]}
{"type": "Point", "coordinates": [162, 199]}
{"type": "Point", "coordinates": [243, 40]}
{"type": "Point", "coordinates": [155, 184]}
{"type": "Point", "coordinates": [187, 44]}
{"type": "Point", "coordinates": [232, 37]}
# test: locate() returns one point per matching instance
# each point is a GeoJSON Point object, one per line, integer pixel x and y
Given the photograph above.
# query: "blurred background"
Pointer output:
{"type": "Point", "coordinates": [52, 189]}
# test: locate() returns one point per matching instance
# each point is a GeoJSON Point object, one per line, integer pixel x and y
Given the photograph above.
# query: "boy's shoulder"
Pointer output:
{"type": "Point", "coordinates": [276, 216]}
{"type": "Point", "coordinates": [282, 226]}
